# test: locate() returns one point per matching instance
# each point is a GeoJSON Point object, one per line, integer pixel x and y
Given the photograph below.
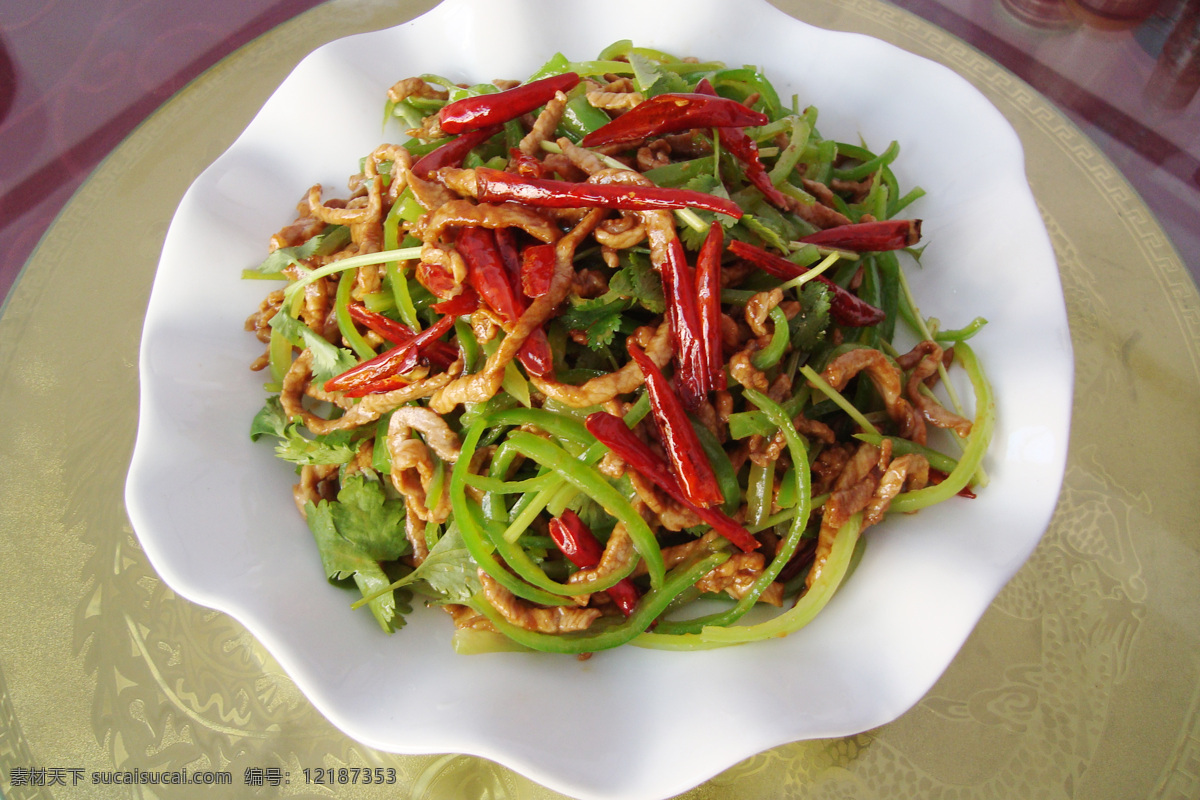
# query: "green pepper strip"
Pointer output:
{"type": "Point", "coordinates": [769, 356]}
{"type": "Point", "coordinates": [437, 484]}
{"type": "Point", "coordinates": [467, 514]}
{"type": "Point", "coordinates": [341, 311]}
{"type": "Point", "coordinates": [976, 445]}
{"type": "Point", "coordinates": [467, 344]}
{"type": "Point", "coordinates": [624, 47]}
{"type": "Point", "coordinates": [403, 209]}
{"type": "Point", "coordinates": [381, 457]}
{"type": "Point", "coordinates": [916, 193]}
{"type": "Point", "coordinates": [520, 562]}
{"type": "Point", "coordinates": [790, 621]}
{"type": "Point", "coordinates": [579, 116]}
{"type": "Point", "coordinates": [722, 467]}
{"type": "Point", "coordinates": [962, 334]}
{"type": "Point", "coordinates": [526, 509]}
{"type": "Point", "coordinates": [841, 402]}
{"type": "Point", "coordinates": [870, 161]}
{"type": "Point", "coordinates": [588, 480]}
{"type": "Point", "coordinates": [494, 508]}
{"type": "Point", "coordinates": [757, 82]}
{"type": "Point", "coordinates": [701, 626]}
{"type": "Point", "coordinates": [759, 492]}
{"type": "Point", "coordinates": [875, 203]}
{"type": "Point", "coordinates": [516, 384]}
{"type": "Point", "coordinates": [494, 485]}
{"type": "Point", "coordinates": [561, 426]}
{"type": "Point", "coordinates": [472, 642]}
{"type": "Point", "coordinates": [901, 447]}
{"type": "Point", "coordinates": [786, 163]}
{"type": "Point", "coordinates": [748, 423]}
{"type": "Point", "coordinates": [981, 477]}
{"type": "Point", "coordinates": [606, 636]}
{"type": "Point", "coordinates": [889, 289]}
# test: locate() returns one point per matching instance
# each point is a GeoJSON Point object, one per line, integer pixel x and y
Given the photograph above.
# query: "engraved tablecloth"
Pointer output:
{"type": "Point", "coordinates": [1080, 681]}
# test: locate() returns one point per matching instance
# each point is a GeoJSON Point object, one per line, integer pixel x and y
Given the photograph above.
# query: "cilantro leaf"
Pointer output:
{"type": "Point", "coordinates": [328, 359]}
{"type": "Point", "coordinates": [269, 421]}
{"type": "Point", "coordinates": [599, 318]}
{"type": "Point", "coordinates": [366, 517]}
{"type": "Point", "coordinates": [601, 332]}
{"type": "Point", "coordinates": [331, 448]}
{"type": "Point", "coordinates": [709, 184]}
{"type": "Point", "coordinates": [638, 281]}
{"type": "Point", "coordinates": [342, 559]}
{"type": "Point", "coordinates": [769, 234]}
{"type": "Point", "coordinates": [330, 240]}
{"type": "Point", "coordinates": [448, 571]}
{"type": "Point", "coordinates": [762, 222]}
{"type": "Point", "coordinates": [807, 329]}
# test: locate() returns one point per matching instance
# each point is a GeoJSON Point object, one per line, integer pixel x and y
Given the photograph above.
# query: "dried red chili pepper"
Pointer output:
{"type": "Point", "coordinates": [495, 186]}
{"type": "Point", "coordinates": [860, 237]}
{"type": "Point", "coordinates": [464, 303]}
{"type": "Point", "coordinates": [452, 153]}
{"type": "Point", "coordinates": [666, 113]}
{"type": "Point", "coordinates": [538, 263]}
{"type": "Point", "coordinates": [439, 352]}
{"type": "Point", "coordinates": [847, 308]}
{"type": "Point", "coordinates": [686, 454]}
{"type": "Point", "coordinates": [616, 436]}
{"type": "Point", "coordinates": [580, 546]}
{"type": "Point", "coordinates": [683, 316]}
{"type": "Point", "coordinates": [510, 253]}
{"type": "Point", "coordinates": [708, 291]}
{"type": "Point", "coordinates": [489, 276]}
{"type": "Point", "coordinates": [471, 113]}
{"type": "Point", "coordinates": [437, 278]}
{"type": "Point", "coordinates": [526, 165]}
{"type": "Point", "coordinates": [745, 150]}
{"type": "Point", "coordinates": [385, 371]}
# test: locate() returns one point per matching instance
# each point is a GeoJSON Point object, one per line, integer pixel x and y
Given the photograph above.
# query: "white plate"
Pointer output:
{"type": "Point", "coordinates": [215, 513]}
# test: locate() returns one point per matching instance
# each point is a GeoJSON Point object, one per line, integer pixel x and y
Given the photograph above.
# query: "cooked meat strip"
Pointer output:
{"type": "Point", "coordinates": [737, 576]}
{"type": "Point", "coordinates": [886, 378]}
{"type": "Point", "coordinates": [668, 513]}
{"type": "Point", "coordinates": [483, 385]}
{"type": "Point", "coordinates": [852, 491]}
{"type": "Point", "coordinates": [742, 370]}
{"type": "Point", "coordinates": [556, 619]}
{"type": "Point", "coordinates": [317, 483]}
{"type": "Point", "coordinates": [618, 554]}
{"type": "Point", "coordinates": [414, 87]}
{"type": "Point", "coordinates": [544, 126]}
{"type": "Point", "coordinates": [910, 470]}
{"type": "Point", "coordinates": [657, 344]}
{"type": "Point", "coordinates": [368, 409]}
{"type": "Point", "coordinates": [758, 307]}
{"type": "Point", "coordinates": [463, 212]}
{"type": "Point", "coordinates": [930, 356]}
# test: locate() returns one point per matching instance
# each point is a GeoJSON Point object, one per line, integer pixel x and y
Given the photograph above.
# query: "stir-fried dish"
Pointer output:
{"type": "Point", "coordinates": [609, 356]}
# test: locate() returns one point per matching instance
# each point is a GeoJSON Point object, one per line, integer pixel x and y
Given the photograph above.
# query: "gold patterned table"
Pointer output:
{"type": "Point", "coordinates": [1080, 681]}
